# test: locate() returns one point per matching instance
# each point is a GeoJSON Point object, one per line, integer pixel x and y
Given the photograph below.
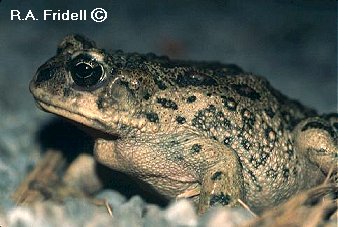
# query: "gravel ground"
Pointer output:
{"type": "Point", "coordinates": [292, 43]}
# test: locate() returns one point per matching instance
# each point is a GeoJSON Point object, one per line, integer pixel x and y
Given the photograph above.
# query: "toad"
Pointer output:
{"type": "Point", "coordinates": [204, 130]}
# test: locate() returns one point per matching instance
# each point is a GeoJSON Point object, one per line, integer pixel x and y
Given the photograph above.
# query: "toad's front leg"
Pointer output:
{"type": "Point", "coordinates": [222, 184]}
{"type": "Point", "coordinates": [317, 139]}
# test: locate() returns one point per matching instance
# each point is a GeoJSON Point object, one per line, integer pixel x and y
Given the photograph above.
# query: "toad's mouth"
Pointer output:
{"type": "Point", "coordinates": [84, 112]}
{"type": "Point", "coordinates": [90, 125]}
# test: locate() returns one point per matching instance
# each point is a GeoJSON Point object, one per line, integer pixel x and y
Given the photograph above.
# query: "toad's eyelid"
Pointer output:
{"type": "Point", "coordinates": [92, 54]}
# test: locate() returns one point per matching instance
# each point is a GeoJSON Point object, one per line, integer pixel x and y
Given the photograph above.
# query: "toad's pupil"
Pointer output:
{"type": "Point", "coordinates": [83, 70]}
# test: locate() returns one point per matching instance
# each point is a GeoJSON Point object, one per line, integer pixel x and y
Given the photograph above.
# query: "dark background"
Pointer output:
{"type": "Point", "coordinates": [292, 43]}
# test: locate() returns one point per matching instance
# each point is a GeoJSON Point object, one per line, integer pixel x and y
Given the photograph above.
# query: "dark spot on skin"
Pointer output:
{"type": "Point", "coordinates": [191, 99]}
{"type": "Point", "coordinates": [146, 96]}
{"type": "Point", "coordinates": [289, 150]}
{"type": "Point", "coordinates": [229, 103]}
{"type": "Point", "coordinates": [100, 103]}
{"type": "Point", "coordinates": [212, 108]}
{"type": "Point", "coordinates": [321, 151]}
{"type": "Point", "coordinates": [173, 142]}
{"type": "Point", "coordinates": [254, 179]}
{"type": "Point", "coordinates": [269, 112]}
{"type": "Point", "coordinates": [179, 157]}
{"type": "Point", "coordinates": [152, 117]}
{"type": "Point", "coordinates": [214, 138]}
{"type": "Point", "coordinates": [217, 176]}
{"type": "Point", "coordinates": [248, 118]}
{"type": "Point", "coordinates": [318, 125]}
{"type": "Point", "coordinates": [180, 120]}
{"type": "Point", "coordinates": [67, 92]}
{"type": "Point", "coordinates": [286, 173]}
{"type": "Point", "coordinates": [123, 126]}
{"type": "Point", "coordinates": [294, 170]}
{"type": "Point", "coordinates": [167, 103]}
{"type": "Point", "coordinates": [113, 71]}
{"type": "Point", "coordinates": [160, 84]}
{"type": "Point", "coordinates": [226, 123]}
{"type": "Point", "coordinates": [125, 83]}
{"type": "Point", "coordinates": [220, 199]}
{"type": "Point", "coordinates": [246, 91]}
{"type": "Point", "coordinates": [228, 140]}
{"type": "Point", "coordinates": [260, 161]}
{"type": "Point", "coordinates": [246, 144]}
{"type": "Point", "coordinates": [263, 156]}
{"type": "Point", "coordinates": [195, 79]}
{"type": "Point", "coordinates": [196, 148]}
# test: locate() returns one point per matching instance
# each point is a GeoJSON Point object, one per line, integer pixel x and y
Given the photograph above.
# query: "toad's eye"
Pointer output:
{"type": "Point", "coordinates": [87, 75]}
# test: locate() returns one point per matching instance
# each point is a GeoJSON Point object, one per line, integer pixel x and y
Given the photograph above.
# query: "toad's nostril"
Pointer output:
{"type": "Point", "coordinates": [43, 75]}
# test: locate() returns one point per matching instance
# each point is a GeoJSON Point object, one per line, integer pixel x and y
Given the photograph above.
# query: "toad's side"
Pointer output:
{"type": "Point", "coordinates": [189, 129]}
